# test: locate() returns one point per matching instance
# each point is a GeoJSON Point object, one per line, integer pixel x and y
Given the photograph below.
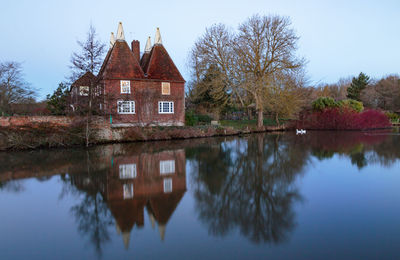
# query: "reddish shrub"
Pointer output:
{"type": "Point", "coordinates": [344, 119]}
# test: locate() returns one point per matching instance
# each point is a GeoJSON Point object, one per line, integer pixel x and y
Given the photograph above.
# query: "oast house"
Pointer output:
{"type": "Point", "coordinates": [136, 89]}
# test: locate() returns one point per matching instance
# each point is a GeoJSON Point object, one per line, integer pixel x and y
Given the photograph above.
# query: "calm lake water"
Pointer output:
{"type": "Point", "coordinates": [323, 195]}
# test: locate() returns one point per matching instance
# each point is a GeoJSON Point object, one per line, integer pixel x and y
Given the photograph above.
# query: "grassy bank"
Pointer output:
{"type": "Point", "coordinates": [241, 124]}
{"type": "Point", "coordinates": [49, 136]}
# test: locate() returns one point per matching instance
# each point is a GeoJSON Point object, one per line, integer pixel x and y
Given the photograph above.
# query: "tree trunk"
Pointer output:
{"type": "Point", "coordinates": [277, 119]}
{"type": "Point", "coordinates": [89, 114]}
{"type": "Point", "coordinates": [87, 131]}
{"type": "Point", "coordinates": [260, 118]}
{"type": "Point", "coordinates": [249, 113]}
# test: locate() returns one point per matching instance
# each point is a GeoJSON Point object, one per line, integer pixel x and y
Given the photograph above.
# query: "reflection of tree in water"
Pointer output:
{"type": "Point", "coordinates": [12, 186]}
{"type": "Point", "coordinates": [379, 147]}
{"type": "Point", "coordinates": [253, 188]}
{"type": "Point", "coordinates": [387, 152]}
{"type": "Point", "coordinates": [91, 212]}
{"type": "Point", "coordinates": [94, 219]}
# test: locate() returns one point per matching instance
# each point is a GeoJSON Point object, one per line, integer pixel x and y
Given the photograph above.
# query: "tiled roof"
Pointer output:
{"type": "Point", "coordinates": [127, 213]}
{"type": "Point", "coordinates": [160, 65]}
{"type": "Point", "coordinates": [164, 205]}
{"type": "Point", "coordinates": [120, 63]}
{"type": "Point", "coordinates": [144, 61]}
{"type": "Point", "coordinates": [84, 80]}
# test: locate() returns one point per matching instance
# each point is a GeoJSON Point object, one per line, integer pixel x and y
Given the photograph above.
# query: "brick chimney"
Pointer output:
{"type": "Point", "coordinates": [136, 49]}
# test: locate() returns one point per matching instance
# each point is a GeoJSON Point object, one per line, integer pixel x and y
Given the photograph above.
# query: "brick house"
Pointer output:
{"type": "Point", "coordinates": [143, 89]}
{"type": "Point", "coordinates": [79, 91]}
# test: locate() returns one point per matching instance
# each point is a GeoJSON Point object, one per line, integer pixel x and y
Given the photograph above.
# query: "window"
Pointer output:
{"type": "Point", "coordinates": [165, 88]}
{"type": "Point", "coordinates": [84, 91]}
{"type": "Point", "coordinates": [167, 185]}
{"type": "Point", "coordinates": [127, 171]}
{"type": "Point", "coordinates": [97, 91]}
{"type": "Point", "coordinates": [128, 190]}
{"type": "Point", "coordinates": [126, 107]}
{"type": "Point", "coordinates": [125, 87]}
{"type": "Point", "coordinates": [165, 107]}
{"type": "Point", "coordinates": [167, 167]}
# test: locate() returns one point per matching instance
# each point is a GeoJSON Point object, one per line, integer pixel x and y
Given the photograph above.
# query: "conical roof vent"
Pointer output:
{"type": "Point", "coordinates": [147, 49]}
{"type": "Point", "coordinates": [157, 39]}
{"type": "Point", "coordinates": [117, 228]}
{"type": "Point", "coordinates": [161, 230]}
{"type": "Point", "coordinates": [120, 32]}
{"type": "Point", "coordinates": [126, 236]}
{"type": "Point", "coordinates": [112, 40]}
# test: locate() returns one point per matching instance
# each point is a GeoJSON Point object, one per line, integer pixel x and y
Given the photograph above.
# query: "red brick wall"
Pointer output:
{"type": "Point", "coordinates": [146, 95]}
{"type": "Point", "coordinates": [136, 49]}
{"type": "Point", "coordinates": [149, 181]}
{"type": "Point", "coordinates": [29, 120]}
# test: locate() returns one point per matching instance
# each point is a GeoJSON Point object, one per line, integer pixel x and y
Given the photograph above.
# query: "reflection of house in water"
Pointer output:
{"type": "Point", "coordinates": [130, 179]}
{"type": "Point", "coordinates": [155, 181]}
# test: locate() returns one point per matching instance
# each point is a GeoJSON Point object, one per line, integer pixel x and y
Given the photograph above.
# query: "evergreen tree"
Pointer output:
{"type": "Point", "coordinates": [58, 102]}
{"type": "Point", "coordinates": [357, 85]}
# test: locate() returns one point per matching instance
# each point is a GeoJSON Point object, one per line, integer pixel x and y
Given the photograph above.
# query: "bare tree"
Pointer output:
{"type": "Point", "coordinates": [13, 87]}
{"type": "Point", "coordinates": [265, 47]}
{"type": "Point", "coordinates": [388, 90]}
{"type": "Point", "coordinates": [285, 95]}
{"type": "Point", "coordinates": [251, 61]}
{"type": "Point", "coordinates": [89, 57]}
{"type": "Point", "coordinates": [215, 48]}
{"type": "Point", "coordinates": [339, 89]}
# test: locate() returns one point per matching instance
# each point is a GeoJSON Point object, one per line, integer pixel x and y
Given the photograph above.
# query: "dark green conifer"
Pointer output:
{"type": "Point", "coordinates": [357, 85]}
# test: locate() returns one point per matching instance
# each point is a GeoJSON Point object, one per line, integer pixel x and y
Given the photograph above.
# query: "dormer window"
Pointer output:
{"type": "Point", "coordinates": [165, 88]}
{"type": "Point", "coordinates": [83, 91]}
{"type": "Point", "coordinates": [125, 87]}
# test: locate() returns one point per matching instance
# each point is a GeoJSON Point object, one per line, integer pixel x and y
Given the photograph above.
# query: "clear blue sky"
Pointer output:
{"type": "Point", "coordinates": [338, 38]}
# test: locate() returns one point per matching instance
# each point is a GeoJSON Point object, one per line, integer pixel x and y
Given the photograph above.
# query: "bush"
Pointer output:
{"type": "Point", "coordinates": [42, 135]}
{"type": "Point", "coordinates": [372, 119]}
{"type": "Point", "coordinates": [191, 119]}
{"type": "Point", "coordinates": [324, 103]}
{"type": "Point", "coordinates": [352, 104]}
{"type": "Point", "coordinates": [393, 117]}
{"type": "Point", "coordinates": [344, 119]}
{"type": "Point", "coordinates": [204, 119]}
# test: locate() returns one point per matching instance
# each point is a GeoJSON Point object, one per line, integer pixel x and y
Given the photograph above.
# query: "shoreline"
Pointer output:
{"type": "Point", "coordinates": [126, 135]}
{"type": "Point", "coordinates": [32, 138]}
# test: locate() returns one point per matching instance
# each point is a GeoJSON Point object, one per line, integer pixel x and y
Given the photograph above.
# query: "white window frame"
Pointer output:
{"type": "Point", "coordinates": [125, 89]}
{"type": "Point", "coordinates": [166, 85]}
{"type": "Point", "coordinates": [84, 91]}
{"type": "Point", "coordinates": [127, 189]}
{"type": "Point", "coordinates": [167, 185]}
{"type": "Point", "coordinates": [161, 107]}
{"type": "Point", "coordinates": [167, 167]}
{"type": "Point", "coordinates": [131, 104]}
{"type": "Point", "coordinates": [127, 171]}
{"type": "Point", "coordinates": [97, 91]}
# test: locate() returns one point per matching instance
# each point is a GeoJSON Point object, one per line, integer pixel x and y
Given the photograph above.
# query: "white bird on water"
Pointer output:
{"type": "Point", "coordinates": [300, 132]}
